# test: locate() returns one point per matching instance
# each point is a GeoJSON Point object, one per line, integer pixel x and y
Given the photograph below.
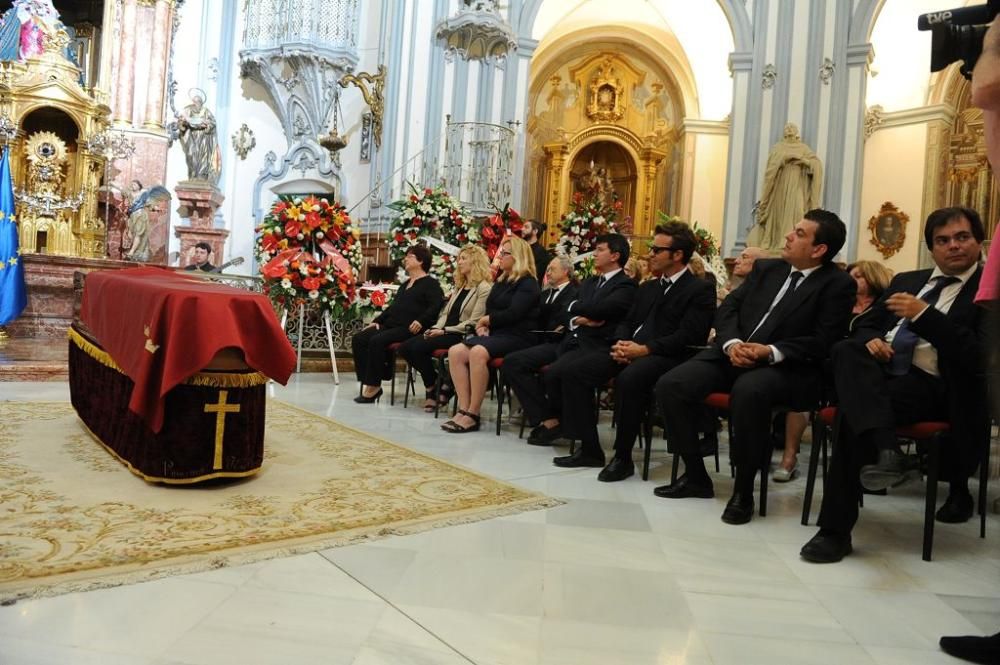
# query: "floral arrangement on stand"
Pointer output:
{"type": "Point", "coordinates": [433, 213]}
{"type": "Point", "coordinates": [373, 299]}
{"type": "Point", "coordinates": [579, 228]}
{"type": "Point", "coordinates": [497, 227]}
{"type": "Point", "coordinates": [310, 253]}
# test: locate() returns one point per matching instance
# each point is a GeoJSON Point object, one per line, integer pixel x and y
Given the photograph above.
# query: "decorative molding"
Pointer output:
{"type": "Point", "coordinates": [708, 127]}
{"type": "Point", "coordinates": [874, 117]}
{"type": "Point", "coordinates": [768, 77]}
{"type": "Point", "coordinates": [826, 71]}
{"type": "Point", "coordinates": [478, 33]}
{"type": "Point", "coordinates": [365, 144]}
{"type": "Point", "coordinates": [917, 116]}
{"type": "Point", "coordinates": [244, 141]}
{"type": "Point", "coordinates": [888, 229]}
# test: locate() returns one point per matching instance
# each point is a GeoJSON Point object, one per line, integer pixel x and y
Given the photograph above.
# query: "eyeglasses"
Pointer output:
{"type": "Point", "coordinates": [653, 249]}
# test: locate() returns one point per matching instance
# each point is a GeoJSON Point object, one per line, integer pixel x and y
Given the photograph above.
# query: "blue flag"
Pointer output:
{"type": "Point", "coordinates": [13, 295]}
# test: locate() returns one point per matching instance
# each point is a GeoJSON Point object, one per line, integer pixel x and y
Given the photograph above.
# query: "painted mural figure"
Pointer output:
{"type": "Point", "coordinates": [793, 182]}
{"type": "Point", "coordinates": [138, 219]}
{"type": "Point", "coordinates": [197, 129]}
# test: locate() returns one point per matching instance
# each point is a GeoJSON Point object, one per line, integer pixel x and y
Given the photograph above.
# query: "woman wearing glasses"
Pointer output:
{"type": "Point", "coordinates": [511, 315]}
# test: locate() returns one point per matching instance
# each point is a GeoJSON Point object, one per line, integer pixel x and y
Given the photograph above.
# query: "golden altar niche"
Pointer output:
{"type": "Point", "coordinates": [603, 114]}
{"type": "Point", "coordinates": [50, 119]}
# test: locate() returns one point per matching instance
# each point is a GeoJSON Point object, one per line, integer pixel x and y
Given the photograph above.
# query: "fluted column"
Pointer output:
{"type": "Point", "coordinates": [153, 117]}
{"type": "Point", "coordinates": [126, 64]}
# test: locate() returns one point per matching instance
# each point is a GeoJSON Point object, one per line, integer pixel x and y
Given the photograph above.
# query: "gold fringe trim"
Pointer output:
{"type": "Point", "coordinates": [168, 481]}
{"type": "Point", "coordinates": [209, 379]}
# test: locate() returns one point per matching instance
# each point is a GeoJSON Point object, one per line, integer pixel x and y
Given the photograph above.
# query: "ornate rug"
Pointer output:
{"type": "Point", "coordinates": [73, 518]}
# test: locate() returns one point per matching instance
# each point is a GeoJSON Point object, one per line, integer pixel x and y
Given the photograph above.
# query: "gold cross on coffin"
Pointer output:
{"type": "Point", "coordinates": [220, 410]}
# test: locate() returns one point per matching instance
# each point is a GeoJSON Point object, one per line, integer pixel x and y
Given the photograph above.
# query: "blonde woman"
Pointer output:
{"type": "Point", "coordinates": [872, 279]}
{"type": "Point", "coordinates": [637, 269]}
{"type": "Point", "coordinates": [464, 308]}
{"type": "Point", "coordinates": [511, 315]}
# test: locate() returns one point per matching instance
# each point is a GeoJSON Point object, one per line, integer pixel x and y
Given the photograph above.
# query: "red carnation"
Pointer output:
{"type": "Point", "coordinates": [398, 237]}
{"type": "Point", "coordinates": [312, 283]}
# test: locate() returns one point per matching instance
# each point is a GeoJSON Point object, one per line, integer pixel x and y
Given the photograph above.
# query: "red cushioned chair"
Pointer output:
{"type": "Point", "coordinates": [929, 433]}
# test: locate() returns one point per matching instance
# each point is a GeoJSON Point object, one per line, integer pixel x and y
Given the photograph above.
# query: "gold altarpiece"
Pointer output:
{"type": "Point", "coordinates": [56, 177]}
{"type": "Point", "coordinates": [603, 113]}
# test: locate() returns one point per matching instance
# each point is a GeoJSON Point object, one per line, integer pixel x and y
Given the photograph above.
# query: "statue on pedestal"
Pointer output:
{"type": "Point", "coordinates": [137, 230]}
{"type": "Point", "coordinates": [793, 182]}
{"type": "Point", "coordinates": [197, 129]}
{"type": "Point", "coordinates": [25, 28]}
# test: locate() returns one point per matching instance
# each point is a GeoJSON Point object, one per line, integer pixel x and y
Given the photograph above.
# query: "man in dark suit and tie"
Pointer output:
{"type": "Point", "coordinates": [601, 304]}
{"type": "Point", "coordinates": [533, 232]}
{"type": "Point", "coordinates": [520, 368]}
{"type": "Point", "coordinates": [916, 357]}
{"type": "Point", "coordinates": [772, 336]}
{"type": "Point", "coordinates": [671, 315]}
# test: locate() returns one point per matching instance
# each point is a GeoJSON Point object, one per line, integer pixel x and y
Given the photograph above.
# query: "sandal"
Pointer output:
{"type": "Point", "coordinates": [430, 400]}
{"type": "Point", "coordinates": [458, 429]}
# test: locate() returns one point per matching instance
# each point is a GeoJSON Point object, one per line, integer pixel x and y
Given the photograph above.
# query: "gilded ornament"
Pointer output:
{"type": "Point", "coordinates": [888, 229]}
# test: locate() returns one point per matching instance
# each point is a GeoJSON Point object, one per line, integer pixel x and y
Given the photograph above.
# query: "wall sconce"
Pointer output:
{"type": "Point", "coordinates": [372, 87]}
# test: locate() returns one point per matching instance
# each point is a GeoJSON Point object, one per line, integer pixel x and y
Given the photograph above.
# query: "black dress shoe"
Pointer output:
{"type": "Point", "coordinates": [682, 488]}
{"type": "Point", "coordinates": [957, 509]}
{"type": "Point", "coordinates": [892, 470]}
{"type": "Point", "coordinates": [984, 650]}
{"type": "Point", "coordinates": [579, 459]}
{"type": "Point", "coordinates": [544, 436]}
{"type": "Point", "coordinates": [826, 547]}
{"type": "Point", "coordinates": [618, 469]}
{"type": "Point", "coordinates": [739, 510]}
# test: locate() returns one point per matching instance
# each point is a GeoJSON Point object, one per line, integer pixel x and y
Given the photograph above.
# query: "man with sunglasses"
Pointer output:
{"type": "Point", "coordinates": [670, 319]}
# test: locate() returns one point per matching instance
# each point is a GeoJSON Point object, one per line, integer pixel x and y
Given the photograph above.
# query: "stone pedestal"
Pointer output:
{"type": "Point", "coordinates": [198, 202]}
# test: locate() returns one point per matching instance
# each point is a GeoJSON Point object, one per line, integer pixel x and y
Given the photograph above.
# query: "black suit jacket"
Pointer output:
{"type": "Point", "coordinates": [610, 304]}
{"type": "Point", "coordinates": [552, 315]}
{"type": "Point", "coordinates": [513, 306]}
{"type": "Point", "coordinates": [804, 324]}
{"type": "Point", "coordinates": [542, 258]}
{"type": "Point", "coordinates": [681, 319]}
{"type": "Point", "coordinates": [960, 339]}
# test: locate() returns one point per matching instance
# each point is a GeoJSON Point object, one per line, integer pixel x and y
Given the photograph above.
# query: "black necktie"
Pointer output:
{"type": "Point", "coordinates": [601, 281]}
{"type": "Point", "coordinates": [552, 296]}
{"type": "Point", "coordinates": [666, 284]}
{"type": "Point", "coordinates": [905, 340]}
{"type": "Point", "coordinates": [795, 277]}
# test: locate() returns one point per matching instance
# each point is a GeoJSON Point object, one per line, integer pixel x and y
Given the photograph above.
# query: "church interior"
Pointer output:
{"type": "Point", "coordinates": [232, 143]}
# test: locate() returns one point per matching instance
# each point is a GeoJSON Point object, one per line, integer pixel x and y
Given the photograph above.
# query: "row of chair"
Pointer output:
{"type": "Point", "coordinates": [825, 429]}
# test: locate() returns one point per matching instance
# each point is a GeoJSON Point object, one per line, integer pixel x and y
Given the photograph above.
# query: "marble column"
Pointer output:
{"type": "Point", "coordinates": [126, 64]}
{"type": "Point", "coordinates": [740, 181]}
{"type": "Point", "coordinates": [158, 66]}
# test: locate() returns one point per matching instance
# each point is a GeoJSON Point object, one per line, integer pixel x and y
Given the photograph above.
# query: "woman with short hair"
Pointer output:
{"type": "Point", "coordinates": [414, 309]}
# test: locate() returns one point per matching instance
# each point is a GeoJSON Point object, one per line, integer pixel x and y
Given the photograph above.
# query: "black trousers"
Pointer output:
{"type": "Point", "coordinates": [371, 357]}
{"type": "Point", "coordinates": [570, 383]}
{"type": "Point", "coordinates": [753, 394]}
{"type": "Point", "coordinates": [872, 404]}
{"type": "Point", "coordinates": [633, 390]}
{"type": "Point", "coordinates": [521, 373]}
{"type": "Point", "coordinates": [417, 351]}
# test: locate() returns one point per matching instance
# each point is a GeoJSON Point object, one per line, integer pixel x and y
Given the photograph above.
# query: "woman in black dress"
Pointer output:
{"type": "Point", "coordinates": [511, 315]}
{"type": "Point", "coordinates": [414, 308]}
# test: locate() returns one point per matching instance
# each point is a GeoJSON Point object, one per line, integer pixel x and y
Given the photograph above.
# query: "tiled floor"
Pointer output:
{"type": "Point", "coordinates": [615, 576]}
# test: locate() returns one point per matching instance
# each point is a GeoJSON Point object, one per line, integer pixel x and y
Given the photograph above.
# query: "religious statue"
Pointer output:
{"type": "Point", "coordinates": [25, 28]}
{"type": "Point", "coordinates": [196, 127]}
{"type": "Point", "coordinates": [793, 182]}
{"type": "Point", "coordinates": [137, 229]}
{"type": "Point", "coordinates": [596, 185]}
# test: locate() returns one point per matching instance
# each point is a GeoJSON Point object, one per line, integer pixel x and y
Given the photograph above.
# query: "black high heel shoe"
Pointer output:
{"type": "Point", "coordinates": [361, 399]}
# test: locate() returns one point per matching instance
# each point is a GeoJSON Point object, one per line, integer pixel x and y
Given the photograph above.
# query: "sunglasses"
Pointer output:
{"type": "Point", "coordinates": [653, 249]}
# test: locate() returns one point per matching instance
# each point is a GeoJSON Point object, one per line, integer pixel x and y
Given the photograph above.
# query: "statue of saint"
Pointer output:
{"type": "Point", "coordinates": [137, 229]}
{"type": "Point", "coordinates": [196, 127]}
{"type": "Point", "coordinates": [596, 185]}
{"type": "Point", "coordinates": [793, 182]}
{"type": "Point", "coordinates": [25, 28]}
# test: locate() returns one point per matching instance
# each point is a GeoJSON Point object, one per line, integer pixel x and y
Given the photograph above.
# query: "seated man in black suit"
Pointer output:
{"type": "Point", "coordinates": [772, 335]}
{"type": "Point", "coordinates": [554, 320]}
{"type": "Point", "coordinates": [916, 357]}
{"type": "Point", "coordinates": [670, 316]}
{"type": "Point", "coordinates": [602, 302]}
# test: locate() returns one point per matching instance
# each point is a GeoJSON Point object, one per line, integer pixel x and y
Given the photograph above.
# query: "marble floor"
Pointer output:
{"type": "Point", "coordinates": [614, 576]}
